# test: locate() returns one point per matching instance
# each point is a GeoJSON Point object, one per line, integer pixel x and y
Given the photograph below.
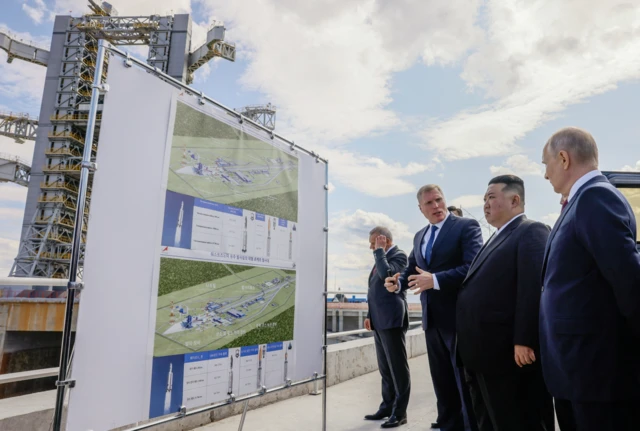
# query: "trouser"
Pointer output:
{"type": "Point", "coordinates": [517, 401]}
{"type": "Point", "coordinates": [577, 416]}
{"type": "Point", "coordinates": [393, 365]}
{"type": "Point", "coordinates": [455, 412]}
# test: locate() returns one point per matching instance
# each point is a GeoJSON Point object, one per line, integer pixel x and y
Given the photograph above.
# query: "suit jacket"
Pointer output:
{"type": "Point", "coordinates": [500, 298]}
{"type": "Point", "coordinates": [590, 304]}
{"type": "Point", "coordinates": [453, 251]}
{"type": "Point", "coordinates": [387, 310]}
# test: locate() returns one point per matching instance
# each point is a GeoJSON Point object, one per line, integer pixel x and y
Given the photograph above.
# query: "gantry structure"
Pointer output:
{"type": "Point", "coordinates": [45, 245]}
{"type": "Point", "coordinates": [261, 114]}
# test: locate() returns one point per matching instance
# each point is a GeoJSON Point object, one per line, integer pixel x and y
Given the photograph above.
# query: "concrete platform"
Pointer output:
{"type": "Point", "coordinates": [347, 403]}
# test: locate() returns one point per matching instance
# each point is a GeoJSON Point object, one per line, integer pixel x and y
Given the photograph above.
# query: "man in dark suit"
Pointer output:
{"type": "Point", "coordinates": [497, 317]}
{"type": "Point", "coordinates": [590, 303]}
{"type": "Point", "coordinates": [441, 255]}
{"type": "Point", "coordinates": [388, 317]}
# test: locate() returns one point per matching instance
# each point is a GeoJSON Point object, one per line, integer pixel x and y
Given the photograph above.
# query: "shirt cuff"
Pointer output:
{"type": "Point", "coordinates": [436, 286]}
{"type": "Point", "coordinates": [399, 284]}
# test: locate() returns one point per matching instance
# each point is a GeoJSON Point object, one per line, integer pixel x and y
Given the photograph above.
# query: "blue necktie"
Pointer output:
{"type": "Point", "coordinates": [432, 237]}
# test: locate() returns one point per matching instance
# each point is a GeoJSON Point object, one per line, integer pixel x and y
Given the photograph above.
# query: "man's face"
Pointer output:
{"type": "Point", "coordinates": [433, 206]}
{"type": "Point", "coordinates": [497, 205]}
{"type": "Point", "coordinates": [555, 171]}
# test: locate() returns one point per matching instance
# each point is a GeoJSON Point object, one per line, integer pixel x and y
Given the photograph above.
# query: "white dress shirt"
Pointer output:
{"type": "Point", "coordinates": [582, 181]}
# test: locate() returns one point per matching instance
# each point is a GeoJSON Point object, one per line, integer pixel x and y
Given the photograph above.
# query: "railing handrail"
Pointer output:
{"type": "Point", "coordinates": [28, 375]}
{"type": "Point", "coordinates": [32, 281]}
{"type": "Point", "coordinates": [361, 331]}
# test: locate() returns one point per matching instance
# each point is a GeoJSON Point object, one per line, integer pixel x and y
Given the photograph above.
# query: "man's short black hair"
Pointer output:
{"type": "Point", "coordinates": [512, 184]}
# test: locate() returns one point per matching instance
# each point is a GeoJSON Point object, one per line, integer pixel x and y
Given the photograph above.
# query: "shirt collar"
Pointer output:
{"type": "Point", "coordinates": [507, 223]}
{"type": "Point", "coordinates": [390, 248]}
{"type": "Point", "coordinates": [582, 181]}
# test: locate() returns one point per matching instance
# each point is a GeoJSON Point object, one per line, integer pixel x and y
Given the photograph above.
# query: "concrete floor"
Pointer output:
{"type": "Point", "coordinates": [347, 403]}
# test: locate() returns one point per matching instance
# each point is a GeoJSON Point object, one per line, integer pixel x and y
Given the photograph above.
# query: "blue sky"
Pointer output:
{"type": "Point", "coordinates": [395, 95]}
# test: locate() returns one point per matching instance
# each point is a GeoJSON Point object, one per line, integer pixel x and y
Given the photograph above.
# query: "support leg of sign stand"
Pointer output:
{"type": "Point", "coordinates": [86, 167]}
{"type": "Point", "coordinates": [244, 415]}
{"type": "Point", "coordinates": [325, 296]}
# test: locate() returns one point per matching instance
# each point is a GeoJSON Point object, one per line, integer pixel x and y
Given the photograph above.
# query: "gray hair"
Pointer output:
{"type": "Point", "coordinates": [381, 230]}
{"type": "Point", "coordinates": [428, 188]}
{"type": "Point", "coordinates": [577, 142]}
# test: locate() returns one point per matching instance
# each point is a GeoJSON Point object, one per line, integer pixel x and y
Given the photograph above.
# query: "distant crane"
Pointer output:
{"type": "Point", "coordinates": [261, 114]}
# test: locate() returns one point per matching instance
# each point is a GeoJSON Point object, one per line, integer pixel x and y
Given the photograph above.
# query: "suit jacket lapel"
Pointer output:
{"type": "Point", "coordinates": [486, 251]}
{"type": "Point", "coordinates": [417, 248]}
{"type": "Point", "coordinates": [446, 227]}
{"type": "Point", "coordinates": [563, 214]}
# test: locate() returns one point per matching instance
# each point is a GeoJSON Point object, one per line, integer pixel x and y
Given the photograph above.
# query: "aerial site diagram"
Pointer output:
{"type": "Point", "coordinates": [204, 306]}
{"type": "Point", "coordinates": [214, 161]}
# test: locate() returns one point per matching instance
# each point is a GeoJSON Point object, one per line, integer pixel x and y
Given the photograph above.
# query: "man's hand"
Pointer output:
{"type": "Point", "coordinates": [391, 283]}
{"type": "Point", "coordinates": [367, 324]}
{"type": "Point", "coordinates": [524, 355]}
{"type": "Point", "coordinates": [381, 241]}
{"type": "Point", "coordinates": [421, 281]}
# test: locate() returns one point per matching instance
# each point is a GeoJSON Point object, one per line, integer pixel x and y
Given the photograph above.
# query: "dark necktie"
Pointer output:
{"type": "Point", "coordinates": [432, 237]}
{"type": "Point", "coordinates": [564, 204]}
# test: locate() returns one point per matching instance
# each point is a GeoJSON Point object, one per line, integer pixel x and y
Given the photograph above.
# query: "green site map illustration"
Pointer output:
{"type": "Point", "coordinates": [214, 161]}
{"type": "Point", "coordinates": [206, 306]}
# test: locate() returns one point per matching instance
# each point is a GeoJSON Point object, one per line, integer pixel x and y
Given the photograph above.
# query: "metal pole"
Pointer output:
{"type": "Point", "coordinates": [324, 318]}
{"type": "Point", "coordinates": [86, 166]}
{"type": "Point", "coordinates": [244, 414]}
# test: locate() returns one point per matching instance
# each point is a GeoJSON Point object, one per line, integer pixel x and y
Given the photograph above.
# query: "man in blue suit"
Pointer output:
{"type": "Point", "coordinates": [388, 317]}
{"type": "Point", "coordinates": [438, 264]}
{"type": "Point", "coordinates": [590, 303]}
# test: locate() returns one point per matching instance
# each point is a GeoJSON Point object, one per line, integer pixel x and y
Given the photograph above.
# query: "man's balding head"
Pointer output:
{"type": "Point", "coordinates": [568, 155]}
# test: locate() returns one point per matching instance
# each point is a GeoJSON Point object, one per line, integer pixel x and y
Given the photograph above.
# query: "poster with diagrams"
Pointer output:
{"type": "Point", "coordinates": [227, 279]}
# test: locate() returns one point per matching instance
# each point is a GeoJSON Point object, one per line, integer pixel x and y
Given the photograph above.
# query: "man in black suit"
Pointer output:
{"type": "Point", "coordinates": [497, 317]}
{"type": "Point", "coordinates": [388, 317]}
{"type": "Point", "coordinates": [441, 255]}
{"type": "Point", "coordinates": [590, 304]}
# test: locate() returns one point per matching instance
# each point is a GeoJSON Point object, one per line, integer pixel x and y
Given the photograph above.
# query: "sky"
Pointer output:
{"type": "Point", "coordinates": [395, 94]}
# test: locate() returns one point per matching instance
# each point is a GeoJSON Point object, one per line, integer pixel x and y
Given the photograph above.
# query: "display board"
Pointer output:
{"type": "Point", "coordinates": [205, 259]}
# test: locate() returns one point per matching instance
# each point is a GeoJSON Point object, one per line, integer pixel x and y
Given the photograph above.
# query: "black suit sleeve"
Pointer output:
{"type": "Point", "coordinates": [408, 271]}
{"type": "Point", "coordinates": [396, 263]}
{"type": "Point", "coordinates": [604, 228]}
{"type": "Point", "coordinates": [471, 243]}
{"type": "Point", "coordinates": [530, 256]}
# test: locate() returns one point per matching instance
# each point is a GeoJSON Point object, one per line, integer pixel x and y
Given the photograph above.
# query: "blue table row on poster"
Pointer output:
{"type": "Point", "coordinates": [204, 230]}
{"type": "Point", "coordinates": [197, 379]}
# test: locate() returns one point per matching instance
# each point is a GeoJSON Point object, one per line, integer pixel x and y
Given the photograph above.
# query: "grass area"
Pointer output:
{"type": "Point", "coordinates": [178, 274]}
{"type": "Point", "coordinates": [282, 331]}
{"type": "Point", "coordinates": [289, 271]}
{"type": "Point", "coordinates": [239, 268]}
{"type": "Point", "coordinates": [190, 122]}
{"type": "Point", "coordinates": [283, 205]}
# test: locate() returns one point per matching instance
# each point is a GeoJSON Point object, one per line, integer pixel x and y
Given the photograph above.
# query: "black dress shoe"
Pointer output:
{"type": "Point", "coordinates": [435, 425]}
{"type": "Point", "coordinates": [377, 416]}
{"type": "Point", "coordinates": [394, 421]}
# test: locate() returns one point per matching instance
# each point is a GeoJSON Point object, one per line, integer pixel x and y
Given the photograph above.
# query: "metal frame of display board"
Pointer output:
{"type": "Point", "coordinates": [98, 88]}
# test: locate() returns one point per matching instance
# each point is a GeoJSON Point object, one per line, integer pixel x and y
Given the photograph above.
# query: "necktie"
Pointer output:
{"type": "Point", "coordinates": [432, 237]}
{"type": "Point", "coordinates": [564, 204]}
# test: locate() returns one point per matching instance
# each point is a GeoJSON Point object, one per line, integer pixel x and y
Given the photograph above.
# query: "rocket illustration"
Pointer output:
{"type": "Point", "coordinates": [167, 397]}
{"type": "Point", "coordinates": [179, 226]}
{"type": "Point", "coordinates": [244, 236]}
{"type": "Point", "coordinates": [268, 237]}
{"type": "Point", "coordinates": [290, 245]}
{"type": "Point", "coordinates": [260, 356]}
{"type": "Point", "coordinates": [286, 365]}
{"type": "Point", "coordinates": [230, 391]}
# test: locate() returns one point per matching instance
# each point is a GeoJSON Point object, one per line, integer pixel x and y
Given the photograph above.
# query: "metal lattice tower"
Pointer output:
{"type": "Point", "coordinates": [19, 126]}
{"type": "Point", "coordinates": [13, 169]}
{"type": "Point", "coordinates": [261, 114]}
{"type": "Point", "coordinates": [45, 246]}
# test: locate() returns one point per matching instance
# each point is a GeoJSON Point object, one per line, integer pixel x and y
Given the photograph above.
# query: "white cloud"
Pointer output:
{"type": "Point", "coordinates": [8, 252]}
{"type": "Point", "coordinates": [535, 68]}
{"type": "Point", "coordinates": [12, 192]}
{"type": "Point", "coordinates": [372, 175]}
{"type": "Point", "coordinates": [356, 226]}
{"type": "Point", "coordinates": [627, 168]}
{"type": "Point", "coordinates": [331, 187]}
{"type": "Point", "coordinates": [519, 165]}
{"type": "Point", "coordinates": [468, 201]}
{"type": "Point", "coordinates": [327, 65]}
{"type": "Point", "coordinates": [38, 11]}
{"type": "Point", "coordinates": [550, 218]}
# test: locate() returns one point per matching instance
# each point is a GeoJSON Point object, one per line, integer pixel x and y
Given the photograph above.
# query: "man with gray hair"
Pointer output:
{"type": "Point", "coordinates": [590, 303]}
{"type": "Point", "coordinates": [388, 317]}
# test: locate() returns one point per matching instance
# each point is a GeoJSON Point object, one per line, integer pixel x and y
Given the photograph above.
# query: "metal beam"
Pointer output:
{"type": "Point", "coordinates": [18, 126]}
{"type": "Point", "coordinates": [13, 169]}
{"type": "Point", "coordinates": [23, 51]}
